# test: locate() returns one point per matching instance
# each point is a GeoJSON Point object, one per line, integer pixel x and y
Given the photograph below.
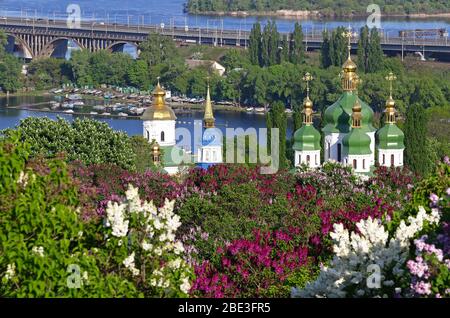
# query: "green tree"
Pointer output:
{"type": "Point", "coordinates": [86, 140]}
{"type": "Point", "coordinates": [297, 53]}
{"type": "Point", "coordinates": [374, 52]}
{"type": "Point", "coordinates": [416, 156]}
{"type": "Point", "coordinates": [138, 75]}
{"type": "Point", "coordinates": [255, 44]}
{"type": "Point", "coordinates": [297, 118]}
{"type": "Point", "coordinates": [363, 46]}
{"type": "Point", "coordinates": [325, 59]}
{"type": "Point", "coordinates": [276, 118]}
{"type": "Point", "coordinates": [10, 73]}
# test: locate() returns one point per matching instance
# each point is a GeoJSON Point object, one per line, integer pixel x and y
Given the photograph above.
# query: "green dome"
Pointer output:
{"type": "Point", "coordinates": [357, 142]}
{"type": "Point", "coordinates": [337, 117]}
{"type": "Point", "coordinates": [390, 137]}
{"type": "Point", "coordinates": [306, 138]}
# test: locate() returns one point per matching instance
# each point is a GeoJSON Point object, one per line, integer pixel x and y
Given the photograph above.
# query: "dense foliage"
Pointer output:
{"type": "Point", "coordinates": [87, 140]}
{"type": "Point", "coordinates": [327, 8]}
{"type": "Point", "coordinates": [241, 233]}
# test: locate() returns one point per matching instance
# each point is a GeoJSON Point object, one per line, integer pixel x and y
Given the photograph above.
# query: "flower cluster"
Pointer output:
{"type": "Point", "coordinates": [156, 258]}
{"type": "Point", "coordinates": [357, 254]}
{"type": "Point", "coordinates": [430, 269]}
{"type": "Point", "coordinates": [252, 268]}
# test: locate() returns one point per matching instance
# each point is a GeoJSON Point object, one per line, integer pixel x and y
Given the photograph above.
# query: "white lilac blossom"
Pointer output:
{"type": "Point", "coordinates": [10, 271]}
{"type": "Point", "coordinates": [185, 285]}
{"type": "Point", "coordinates": [355, 253]}
{"type": "Point", "coordinates": [38, 250]}
{"type": "Point", "coordinates": [115, 214]}
{"type": "Point", "coordinates": [129, 263]}
{"type": "Point", "coordinates": [156, 228]}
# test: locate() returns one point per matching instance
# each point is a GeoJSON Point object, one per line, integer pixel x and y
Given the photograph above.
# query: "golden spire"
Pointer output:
{"type": "Point", "coordinates": [390, 103]}
{"type": "Point", "coordinates": [307, 103]}
{"type": "Point", "coordinates": [209, 117]}
{"type": "Point", "coordinates": [356, 114]}
{"type": "Point", "coordinates": [159, 96]}
{"type": "Point", "coordinates": [349, 78]}
{"type": "Point", "coordinates": [156, 154]}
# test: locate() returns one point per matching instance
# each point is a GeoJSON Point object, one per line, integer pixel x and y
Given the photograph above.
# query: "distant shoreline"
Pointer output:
{"type": "Point", "coordinates": [315, 14]}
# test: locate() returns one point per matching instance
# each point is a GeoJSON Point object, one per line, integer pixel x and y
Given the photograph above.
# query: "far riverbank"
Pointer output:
{"type": "Point", "coordinates": [305, 14]}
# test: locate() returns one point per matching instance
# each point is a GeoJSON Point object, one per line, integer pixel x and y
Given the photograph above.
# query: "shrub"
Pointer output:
{"type": "Point", "coordinates": [264, 266]}
{"type": "Point", "coordinates": [86, 140]}
{"type": "Point", "coordinates": [42, 248]}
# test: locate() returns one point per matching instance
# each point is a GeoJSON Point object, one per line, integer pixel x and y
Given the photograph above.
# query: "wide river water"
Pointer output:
{"type": "Point", "coordinates": [10, 116]}
{"type": "Point", "coordinates": [170, 12]}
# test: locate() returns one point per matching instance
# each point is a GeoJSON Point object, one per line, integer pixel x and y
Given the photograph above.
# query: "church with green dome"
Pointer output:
{"type": "Point", "coordinates": [349, 136]}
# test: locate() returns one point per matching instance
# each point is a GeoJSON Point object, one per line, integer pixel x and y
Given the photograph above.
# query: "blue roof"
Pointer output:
{"type": "Point", "coordinates": [210, 138]}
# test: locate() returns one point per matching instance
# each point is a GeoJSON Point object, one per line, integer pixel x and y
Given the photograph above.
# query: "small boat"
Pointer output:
{"type": "Point", "coordinates": [106, 114]}
{"type": "Point", "coordinates": [78, 103]}
{"type": "Point", "coordinates": [122, 114]}
{"type": "Point", "coordinates": [288, 111]}
{"type": "Point", "coordinates": [93, 113]}
{"type": "Point", "coordinates": [67, 105]}
{"type": "Point", "coordinates": [99, 107]}
{"type": "Point", "coordinates": [259, 109]}
{"type": "Point", "coordinates": [74, 97]}
{"type": "Point", "coordinates": [69, 111]}
{"type": "Point", "coordinates": [250, 109]}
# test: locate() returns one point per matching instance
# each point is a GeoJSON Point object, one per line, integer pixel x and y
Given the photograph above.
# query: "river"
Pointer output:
{"type": "Point", "coordinates": [10, 117]}
{"type": "Point", "coordinates": [171, 13]}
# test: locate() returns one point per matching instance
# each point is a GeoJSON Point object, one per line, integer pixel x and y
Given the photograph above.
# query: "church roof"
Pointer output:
{"type": "Point", "coordinates": [337, 117]}
{"type": "Point", "coordinates": [306, 138]}
{"type": "Point", "coordinates": [159, 110]}
{"type": "Point", "coordinates": [390, 137]}
{"type": "Point", "coordinates": [357, 142]}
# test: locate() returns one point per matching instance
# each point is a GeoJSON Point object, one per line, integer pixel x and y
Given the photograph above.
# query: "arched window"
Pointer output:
{"type": "Point", "coordinates": [299, 159]}
{"type": "Point", "coordinates": [329, 150]}
{"type": "Point", "coordinates": [308, 159]}
{"type": "Point", "coordinates": [162, 136]}
{"type": "Point", "coordinates": [384, 159]}
{"type": "Point", "coordinates": [339, 157]}
{"type": "Point", "coordinates": [364, 163]}
{"type": "Point", "coordinates": [355, 164]}
{"type": "Point", "coordinates": [316, 161]}
{"type": "Point", "coordinates": [148, 135]}
{"type": "Point", "coordinates": [392, 160]}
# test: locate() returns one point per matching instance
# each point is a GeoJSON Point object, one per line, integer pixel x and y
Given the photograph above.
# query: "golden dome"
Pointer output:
{"type": "Point", "coordinates": [159, 110]}
{"type": "Point", "coordinates": [156, 148]}
{"type": "Point", "coordinates": [349, 66]}
{"type": "Point", "coordinates": [307, 103]}
{"type": "Point", "coordinates": [390, 102]}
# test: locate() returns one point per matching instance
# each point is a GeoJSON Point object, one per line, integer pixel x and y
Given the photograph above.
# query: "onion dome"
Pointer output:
{"type": "Point", "coordinates": [159, 110]}
{"type": "Point", "coordinates": [208, 119]}
{"type": "Point", "coordinates": [357, 142]}
{"type": "Point", "coordinates": [337, 117]}
{"type": "Point", "coordinates": [390, 136]}
{"type": "Point", "coordinates": [307, 137]}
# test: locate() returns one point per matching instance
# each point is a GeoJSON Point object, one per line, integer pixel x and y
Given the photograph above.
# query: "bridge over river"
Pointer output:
{"type": "Point", "coordinates": [40, 37]}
